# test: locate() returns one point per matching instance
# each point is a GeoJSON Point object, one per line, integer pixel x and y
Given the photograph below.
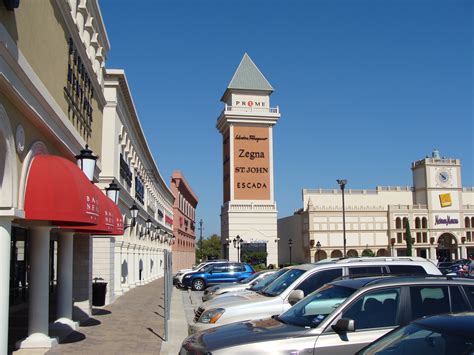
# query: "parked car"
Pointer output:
{"type": "Point", "coordinates": [438, 335]}
{"type": "Point", "coordinates": [178, 278]}
{"type": "Point", "coordinates": [217, 273]}
{"type": "Point", "coordinates": [278, 296]}
{"type": "Point", "coordinates": [341, 317]}
{"type": "Point", "coordinates": [245, 284]}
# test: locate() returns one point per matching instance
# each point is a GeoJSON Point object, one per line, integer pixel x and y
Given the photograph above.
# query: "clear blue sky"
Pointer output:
{"type": "Point", "coordinates": [365, 87]}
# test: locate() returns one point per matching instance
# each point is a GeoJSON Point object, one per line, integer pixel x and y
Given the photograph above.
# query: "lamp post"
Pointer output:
{"type": "Point", "coordinates": [290, 244]}
{"type": "Point", "coordinates": [237, 241]}
{"type": "Point", "coordinates": [342, 183]}
{"type": "Point", "coordinates": [318, 248]}
{"type": "Point", "coordinates": [200, 239]}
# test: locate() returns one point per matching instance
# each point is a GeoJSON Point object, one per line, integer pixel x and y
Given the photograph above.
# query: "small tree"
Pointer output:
{"type": "Point", "coordinates": [368, 252]}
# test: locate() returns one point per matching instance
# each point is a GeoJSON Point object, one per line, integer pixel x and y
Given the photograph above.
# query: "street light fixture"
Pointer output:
{"type": "Point", "coordinates": [318, 248]}
{"type": "Point", "coordinates": [290, 245]}
{"type": "Point", "coordinates": [113, 192]}
{"type": "Point", "coordinates": [134, 215]}
{"type": "Point", "coordinates": [237, 241]}
{"type": "Point", "coordinates": [86, 162]}
{"type": "Point", "coordinates": [342, 183]}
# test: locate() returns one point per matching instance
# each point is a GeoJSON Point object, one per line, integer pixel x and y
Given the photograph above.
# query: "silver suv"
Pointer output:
{"type": "Point", "coordinates": [339, 318]}
{"type": "Point", "coordinates": [297, 282]}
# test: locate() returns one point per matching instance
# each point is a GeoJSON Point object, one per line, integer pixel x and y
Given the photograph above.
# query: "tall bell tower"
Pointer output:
{"type": "Point", "coordinates": [249, 208]}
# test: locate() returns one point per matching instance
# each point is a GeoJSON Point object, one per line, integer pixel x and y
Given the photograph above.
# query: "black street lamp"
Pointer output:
{"type": "Point", "coordinates": [318, 248]}
{"type": "Point", "coordinates": [134, 215]}
{"type": "Point", "coordinates": [290, 244]}
{"type": "Point", "coordinates": [342, 183]}
{"type": "Point", "coordinates": [237, 241]}
{"type": "Point", "coordinates": [113, 192]}
{"type": "Point", "coordinates": [86, 162]}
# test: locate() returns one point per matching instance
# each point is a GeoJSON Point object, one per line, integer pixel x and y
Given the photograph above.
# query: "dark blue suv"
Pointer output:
{"type": "Point", "coordinates": [217, 273]}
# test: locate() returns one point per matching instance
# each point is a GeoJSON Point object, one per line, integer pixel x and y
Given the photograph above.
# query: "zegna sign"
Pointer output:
{"type": "Point", "coordinates": [251, 163]}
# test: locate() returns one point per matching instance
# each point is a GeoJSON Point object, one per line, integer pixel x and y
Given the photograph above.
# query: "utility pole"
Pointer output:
{"type": "Point", "coordinates": [200, 240]}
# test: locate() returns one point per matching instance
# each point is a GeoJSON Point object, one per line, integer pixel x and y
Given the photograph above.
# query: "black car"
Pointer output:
{"type": "Point", "coordinates": [438, 335]}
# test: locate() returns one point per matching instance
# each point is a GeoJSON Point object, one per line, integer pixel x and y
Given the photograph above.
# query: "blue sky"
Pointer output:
{"type": "Point", "coordinates": [365, 87]}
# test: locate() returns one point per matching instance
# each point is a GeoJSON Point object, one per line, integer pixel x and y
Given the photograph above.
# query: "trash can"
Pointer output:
{"type": "Point", "coordinates": [99, 290]}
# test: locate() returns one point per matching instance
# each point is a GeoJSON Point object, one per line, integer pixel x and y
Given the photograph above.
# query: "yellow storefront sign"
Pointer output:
{"type": "Point", "coordinates": [445, 200]}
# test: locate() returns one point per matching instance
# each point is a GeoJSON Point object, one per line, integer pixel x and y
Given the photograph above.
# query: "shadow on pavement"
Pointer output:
{"type": "Point", "coordinates": [91, 322]}
{"type": "Point", "coordinates": [100, 312]}
{"type": "Point", "coordinates": [73, 337]}
{"type": "Point", "coordinates": [153, 332]}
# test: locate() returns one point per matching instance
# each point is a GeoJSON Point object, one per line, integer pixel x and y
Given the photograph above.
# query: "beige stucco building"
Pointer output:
{"type": "Point", "coordinates": [438, 209]}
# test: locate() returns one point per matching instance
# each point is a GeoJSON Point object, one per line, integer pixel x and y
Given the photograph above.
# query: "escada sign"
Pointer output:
{"type": "Point", "coordinates": [446, 221]}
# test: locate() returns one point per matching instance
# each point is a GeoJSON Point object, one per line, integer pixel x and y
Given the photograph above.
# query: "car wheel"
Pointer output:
{"type": "Point", "coordinates": [198, 285]}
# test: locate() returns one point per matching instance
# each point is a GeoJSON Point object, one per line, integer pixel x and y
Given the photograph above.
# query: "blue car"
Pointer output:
{"type": "Point", "coordinates": [217, 273]}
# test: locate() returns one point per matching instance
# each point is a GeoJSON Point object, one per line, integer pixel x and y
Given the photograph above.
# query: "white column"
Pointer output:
{"type": "Point", "coordinates": [127, 258]}
{"type": "Point", "coordinates": [65, 277]}
{"type": "Point", "coordinates": [118, 269]}
{"type": "Point", "coordinates": [5, 240]}
{"type": "Point", "coordinates": [39, 291]}
{"type": "Point", "coordinates": [131, 267]}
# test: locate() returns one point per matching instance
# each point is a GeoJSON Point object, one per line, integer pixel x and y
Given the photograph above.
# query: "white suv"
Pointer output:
{"type": "Point", "coordinates": [297, 282]}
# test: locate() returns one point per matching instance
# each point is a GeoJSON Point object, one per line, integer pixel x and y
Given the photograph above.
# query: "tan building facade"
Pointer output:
{"type": "Point", "coordinates": [52, 57]}
{"type": "Point", "coordinates": [438, 209]}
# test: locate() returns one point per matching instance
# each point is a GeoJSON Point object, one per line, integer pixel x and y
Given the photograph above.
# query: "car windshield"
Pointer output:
{"type": "Point", "coordinates": [250, 278]}
{"type": "Point", "coordinates": [282, 283]}
{"type": "Point", "coordinates": [313, 309]}
{"type": "Point", "coordinates": [197, 267]}
{"type": "Point", "coordinates": [264, 282]}
{"type": "Point", "coordinates": [415, 339]}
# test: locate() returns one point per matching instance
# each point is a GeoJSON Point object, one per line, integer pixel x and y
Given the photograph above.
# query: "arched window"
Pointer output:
{"type": "Point", "coordinates": [417, 222]}
{"type": "Point", "coordinates": [472, 221]}
{"type": "Point", "coordinates": [467, 222]}
{"type": "Point", "coordinates": [424, 223]}
{"type": "Point", "coordinates": [405, 222]}
{"type": "Point", "coordinates": [398, 223]}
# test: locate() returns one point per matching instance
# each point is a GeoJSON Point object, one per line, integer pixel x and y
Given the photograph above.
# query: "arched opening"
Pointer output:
{"type": "Point", "coordinates": [405, 222]}
{"type": "Point", "coordinates": [320, 255]}
{"type": "Point", "coordinates": [424, 223]}
{"type": "Point", "coordinates": [352, 253]}
{"type": "Point", "coordinates": [447, 248]}
{"type": "Point", "coordinates": [398, 223]}
{"type": "Point", "coordinates": [417, 223]}
{"type": "Point", "coordinates": [382, 252]}
{"type": "Point", "coordinates": [336, 254]}
{"type": "Point", "coordinates": [368, 252]}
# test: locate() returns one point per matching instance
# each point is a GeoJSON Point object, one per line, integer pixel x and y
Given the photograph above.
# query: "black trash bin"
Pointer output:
{"type": "Point", "coordinates": [99, 289]}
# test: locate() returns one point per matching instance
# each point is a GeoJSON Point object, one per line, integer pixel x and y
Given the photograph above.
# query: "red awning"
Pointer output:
{"type": "Point", "coordinates": [57, 191]}
{"type": "Point", "coordinates": [110, 218]}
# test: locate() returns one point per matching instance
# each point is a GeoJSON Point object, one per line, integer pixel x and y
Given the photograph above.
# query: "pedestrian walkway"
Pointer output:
{"type": "Point", "coordinates": [133, 324]}
{"type": "Point", "coordinates": [178, 324]}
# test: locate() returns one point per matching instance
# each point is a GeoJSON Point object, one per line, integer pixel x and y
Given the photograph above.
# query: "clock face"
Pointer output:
{"type": "Point", "coordinates": [443, 176]}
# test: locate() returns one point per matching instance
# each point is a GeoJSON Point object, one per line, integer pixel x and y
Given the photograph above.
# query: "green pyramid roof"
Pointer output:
{"type": "Point", "coordinates": [249, 77]}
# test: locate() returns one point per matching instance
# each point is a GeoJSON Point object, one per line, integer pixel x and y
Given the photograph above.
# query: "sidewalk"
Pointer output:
{"type": "Point", "coordinates": [178, 324]}
{"type": "Point", "coordinates": [133, 324]}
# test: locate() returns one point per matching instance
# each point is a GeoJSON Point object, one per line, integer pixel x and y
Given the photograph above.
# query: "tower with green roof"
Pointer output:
{"type": "Point", "coordinates": [246, 122]}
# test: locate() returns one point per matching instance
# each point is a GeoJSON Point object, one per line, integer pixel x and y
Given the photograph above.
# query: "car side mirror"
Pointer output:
{"type": "Point", "coordinates": [295, 296]}
{"type": "Point", "coordinates": [344, 325]}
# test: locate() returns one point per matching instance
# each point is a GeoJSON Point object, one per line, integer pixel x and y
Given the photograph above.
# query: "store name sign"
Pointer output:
{"type": "Point", "coordinates": [250, 103]}
{"type": "Point", "coordinates": [445, 220]}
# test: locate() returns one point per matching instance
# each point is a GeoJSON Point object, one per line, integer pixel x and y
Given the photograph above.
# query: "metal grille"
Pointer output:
{"type": "Point", "coordinates": [198, 314]}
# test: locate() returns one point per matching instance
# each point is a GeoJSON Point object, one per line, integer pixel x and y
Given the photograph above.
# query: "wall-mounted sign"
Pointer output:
{"type": "Point", "coordinates": [168, 220]}
{"type": "Point", "coordinates": [445, 200]}
{"type": "Point", "coordinates": [445, 220]}
{"type": "Point", "coordinates": [251, 163]}
{"type": "Point", "coordinates": [250, 103]}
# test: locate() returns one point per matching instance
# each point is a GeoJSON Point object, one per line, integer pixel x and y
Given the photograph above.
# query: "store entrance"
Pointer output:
{"type": "Point", "coordinates": [19, 266]}
{"type": "Point", "coordinates": [447, 248]}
